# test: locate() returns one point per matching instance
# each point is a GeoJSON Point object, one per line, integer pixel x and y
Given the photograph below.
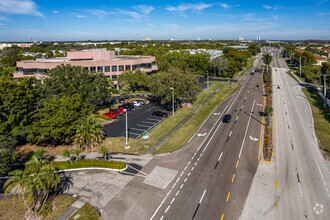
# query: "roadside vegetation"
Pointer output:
{"type": "Point", "coordinates": [181, 137]}
{"type": "Point", "coordinates": [321, 117]}
{"type": "Point", "coordinates": [13, 208]}
{"type": "Point", "coordinates": [89, 163]}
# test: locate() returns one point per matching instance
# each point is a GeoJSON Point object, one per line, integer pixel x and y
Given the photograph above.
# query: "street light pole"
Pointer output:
{"type": "Point", "coordinates": [300, 66]}
{"type": "Point", "coordinates": [126, 146]}
{"type": "Point", "coordinates": [207, 78]}
{"type": "Point", "coordinates": [172, 100]}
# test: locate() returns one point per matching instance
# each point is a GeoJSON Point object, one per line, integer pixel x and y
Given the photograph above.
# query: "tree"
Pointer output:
{"type": "Point", "coordinates": [55, 123]}
{"type": "Point", "coordinates": [35, 182]}
{"type": "Point", "coordinates": [221, 66]}
{"type": "Point", "coordinates": [103, 150]}
{"type": "Point", "coordinates": [254, 49]}
{"type": "Point", "coordinates": [7, 153]}
{"type": "Point", "coordinates": [89, 134]}
{"type": "Point", "coordinates": [307, 58]}
{"type": "Point", "coordinates": [267, 59]}
{"type": "Point", "coordinates": [40, 153]}
{"type": "Point", "coordinates": [18, 101]}
{"type": "Point", "coordinates": [185, 85]}
{"type": "Point", "coordinates": [77, 153]}
{"type": "Point", "coordinates": [67, 154]}
{"type": "Point", "coordinates": [66, 80]}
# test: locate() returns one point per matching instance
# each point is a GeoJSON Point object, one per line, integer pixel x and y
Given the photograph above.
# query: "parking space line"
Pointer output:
{"type": "Point", "coordinates": [143, 126]}
{"type": "Point", "coordinates": [134, 133]}
{"type": "Point", "coordinates": [148, 122]}
{"type": "Point", "coordinates": [138, 129]}
{"type": "Point", "coordinates": [153, 119]}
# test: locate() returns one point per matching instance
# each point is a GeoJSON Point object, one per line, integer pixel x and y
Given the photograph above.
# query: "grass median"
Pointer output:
{"type": "Point", "coordinates": [138, 146]}
{"type": "Point", "coordinates": [192, 125]}
{"type": "Point", "coordinates": [321, 117]}
{"type": "Point", "coordinates": [89, 163]}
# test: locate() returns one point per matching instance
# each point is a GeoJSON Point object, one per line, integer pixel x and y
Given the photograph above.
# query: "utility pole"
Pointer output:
{"type": "Point", "coordinates": [207, 78]}
{"type": "Point", "coordinates": [325, 87]}
{"type": "Point", "coordinates": [300, 65]}
{"type": "Point", "coordinates": [172, 100]}
{"type": "Point", "coordinates": [126, 146]}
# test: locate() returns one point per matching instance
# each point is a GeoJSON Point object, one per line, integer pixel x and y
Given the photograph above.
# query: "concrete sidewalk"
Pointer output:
{"type": "Point", "coordinates": [72, 209]}
{"type": "Point", "coordinates": [164, 139]}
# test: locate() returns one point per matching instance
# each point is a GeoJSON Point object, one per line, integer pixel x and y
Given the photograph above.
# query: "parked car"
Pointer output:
{"type": "Point", "coordinates": [141, 101]}
{"type": "Point", "coordinates": [130, 105]}
{"type": "Point", "coordinates": [110, 115]}
{"type": "Point", "coordinates": [136, 103]}
{"type": "Point", "coordinates": [168, 106]}
{"type": "Point", "coordinates": [159, 114]}
{"type": "Point", "coordinates": [122, 109]}
{"type": "Point", "coordinates": [116, 111]}
{"type": "Point", "coordinates": [226, 118]}
{"type": "Point", "coordinates": [127, 107]}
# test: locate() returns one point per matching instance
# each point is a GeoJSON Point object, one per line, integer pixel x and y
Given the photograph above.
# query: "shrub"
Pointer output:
{"type": "Point", "coordinates": [89, 163]}
{"type": "Point", "coordinates": [103, 117]}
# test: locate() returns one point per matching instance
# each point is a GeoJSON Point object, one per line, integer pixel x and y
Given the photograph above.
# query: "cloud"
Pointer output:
{"type": "Point", "coordinates": [133, 14]}
{"type": "Point", "coordinates": [98, 12]}
{"type": "Point", "coordinates": [55, 12]}
{"type": "Point", "coordinates": [25, 7]}
{"type": "Point", "coordinates": [324, 13]}
{"type": "Point", "coordinates": [144, 9]}
{"type": "Point", "coordinates": [3, 18]}
{"type": "Point", "coordinates": [267, 7]}
{"type": "Point", "coordinates": [78, 15]}
{"type": "Point", "coordinates": [184, 7]}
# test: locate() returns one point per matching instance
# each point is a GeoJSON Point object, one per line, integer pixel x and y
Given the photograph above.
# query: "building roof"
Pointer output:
{"type": "Point", "coordinates": [318, 57]}
{"type": "Point", "coordinates": [325, 50]}
{"type": "Point", "coordinates": [299, 51]}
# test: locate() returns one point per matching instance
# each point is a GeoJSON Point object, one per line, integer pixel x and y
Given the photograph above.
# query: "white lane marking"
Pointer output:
{"type": "Point", "coordinates": [134, 133]}
{"type": "Point", "coordinates": [177, 179]}
{"type": "Point", "coordinates": [192, 168]}
{"type": "Point", "coordinates": [181, 173]}
{"type": "Point", "coordinates": [185, 180]}
{"type": "Point", "coordinates": [300, 190]}
{"type": "Point", "coordinates": [177, 193]}
{"type": "Point", "coordinates": [216, 113]}
{"type": "Point", "coordinates": [138, 170]}
{"type": "Point", "coordinates": [143, 126]}
{"type": "Point", "coordinates": [236, 118]}
{"type": "Point", "coordinates": [181, 186]}
{"type": "Point", "coordinates": [185, 168]}
{"type": "Point", "coordinates": [161, 218]}
{"type": "Point", "coordinates": [230, 133]}
{"type": "Point", "coordinates": [189, 163]}
{"type": "Point", "coordinates": [254, 139]}
{"type": "Point", "coordinates": [154, 119]}
{"type": "Point", "coordinates": [172, 200]}
{"type": "Point", "coordinates": [201, 154]}
{"type": "Point", "coordinates": [200, 201]}
{"type": "Point", "coordinates": [137, 129]}
{"type": "Point", "coordinates": [195, 164]}
{"type": "Point", "coordinates": [173, 185]}
{"type": "Point", "coordinates": [201, 135]}
{"type": "Point", "coordinates": [241, 107]}
{"type": "Point", "coordinates": [189, 173]}
{"type": "Point", "coordinates": [148, 122]}
{"type": "Point", "coordinates": [198, 158]}
{"type": "Point", "coordinates": [167, 208]}
{"type": "Point", "coordinates": [318, 166]}
{"type": "Point", "coordinates": [220, 156]}
{"type": "Point", "coordinates": [247, 127]}
{"type": "Point", "coordinates": [168, 193]}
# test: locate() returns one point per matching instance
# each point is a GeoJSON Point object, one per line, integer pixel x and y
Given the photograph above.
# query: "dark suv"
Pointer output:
{"type": "Point", "coordinates": [226, 118]}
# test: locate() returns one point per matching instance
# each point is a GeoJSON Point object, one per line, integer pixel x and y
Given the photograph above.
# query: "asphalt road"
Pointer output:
{"type": "Point", "coordinates": [214, 170]}
{"type": "Point", "coordinates": [302, 174]}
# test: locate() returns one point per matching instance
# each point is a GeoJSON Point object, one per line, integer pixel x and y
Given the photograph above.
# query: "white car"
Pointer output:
{"type": "Point", "coordinates": [136, 103]}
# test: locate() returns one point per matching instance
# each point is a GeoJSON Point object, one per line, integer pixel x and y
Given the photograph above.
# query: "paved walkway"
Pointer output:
{"type": "Point", "coordinates": [72, 209]}
{"type": "Point", "coordinates": [164, 139]}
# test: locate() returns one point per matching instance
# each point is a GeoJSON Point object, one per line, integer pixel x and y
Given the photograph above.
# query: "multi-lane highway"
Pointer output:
{"type": "Point", "coordinates": [210, 177]}
{"type": "Point", "coordinates": [301, 173]}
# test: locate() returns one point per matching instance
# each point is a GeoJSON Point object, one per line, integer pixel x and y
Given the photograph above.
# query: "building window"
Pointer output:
{"type": "Point", "coordinates": [92, 68]}
{"type": "Point", "coordinates": [133, 67]}
{"type": "Point", "coordinates": [153, 63]}
{"type": "Point", "coordinates": [128, 67]}
{"type": "Point", "coordinates": [100, 69]}
{"type": "Point", "coordinates": [86, 68]}
{"type": "Point", "coordinates": [114, 68]}
{"type": "Point", "coordinates": [107, 69]}
{"type": "Point", "coordinates": [121, 67]}
{"type": "Point", "coordinates": [114, 77]}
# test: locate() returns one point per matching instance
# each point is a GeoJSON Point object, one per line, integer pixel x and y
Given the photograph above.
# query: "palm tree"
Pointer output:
{"type": "Point", "coordinates": [40, 153]}
{"type": "Point", "coordinates": [67, 154]}
{"type": "Point", "coordinates": [267, 58]}
{"type": "Point", "coordinates": [77, 153]}
{"type": "Point", "coordinates": [89, 134]}
{"type": "Point", "coordinates": [103, 150]}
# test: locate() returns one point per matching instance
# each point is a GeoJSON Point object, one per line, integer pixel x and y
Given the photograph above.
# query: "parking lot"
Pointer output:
{"type": "Point", "coordinates": [139, 121]}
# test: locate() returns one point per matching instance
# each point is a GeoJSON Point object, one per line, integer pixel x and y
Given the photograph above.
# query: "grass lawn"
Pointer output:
{"type": "Point", "coordinates": [321, 117]}
{"type": "Point", "coordinates": [15, 209]}
{"type": "Point", "coordinates": [139, 146]}
{"type": "Point", "coordinates": [192, 125]}
{"type": "Point", "coordinates": [89, 163]}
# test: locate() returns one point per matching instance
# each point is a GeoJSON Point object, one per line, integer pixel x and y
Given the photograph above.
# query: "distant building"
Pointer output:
{"type": "Point", "coordinates": [213, 53]}
{"type": "Point", "coordinates": [326, 51]}
{"type": "Point", "coordinates": [240, 38]}
{"type": "Point", "coordinates": [93, 60]}
{"type": "Point", "coordinates": [320, 59]}
{"type": "Point", "coordinates": [148, 39]}
{"type": "Point", "coordinates": [3, 45]}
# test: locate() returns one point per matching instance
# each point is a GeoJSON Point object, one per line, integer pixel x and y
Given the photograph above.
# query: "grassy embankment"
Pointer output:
{"type": "Point", "coordinates": [321, 117]}
{"type": "Point", "coordinates": [191, 126]}
{"type": "Point", "coordinates": [15, 209]}
{"type": "Point", "coordinates": [156, 134]}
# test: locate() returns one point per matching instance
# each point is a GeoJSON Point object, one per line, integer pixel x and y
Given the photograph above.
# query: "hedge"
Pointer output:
{"type": "Point", "coordinates": [89, 163]}
{"type": "Point", "coordinates": [103, 117]}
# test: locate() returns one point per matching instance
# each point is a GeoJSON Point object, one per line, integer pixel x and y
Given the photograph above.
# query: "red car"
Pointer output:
{"type": "Point", "coordinates": [159, 114]}
{"type": "Point", "coordinates": [122, 109]}
{"type": "Point", "coordinates": [116, 111]}
{"type": "Point", "coordinates": [110, 115]}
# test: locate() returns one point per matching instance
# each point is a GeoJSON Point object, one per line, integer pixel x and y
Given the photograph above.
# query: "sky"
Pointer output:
{"type": "Point", "coordinates": [73, 20]}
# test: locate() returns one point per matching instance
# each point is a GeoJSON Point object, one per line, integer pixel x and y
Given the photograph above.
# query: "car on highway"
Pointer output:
{"type": "Point", "coordinates": [110, 115]}
{"type": "Point", "coordinates": [226, 118]}
{"type": "Point", "coordinates": [116, 111]}
{"type": "Point", "coordinates": [136, 103]}
{"type": "Point", "coordinates": [252, 72]}
{"type": "Point", "coordinates": [159, 114]}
